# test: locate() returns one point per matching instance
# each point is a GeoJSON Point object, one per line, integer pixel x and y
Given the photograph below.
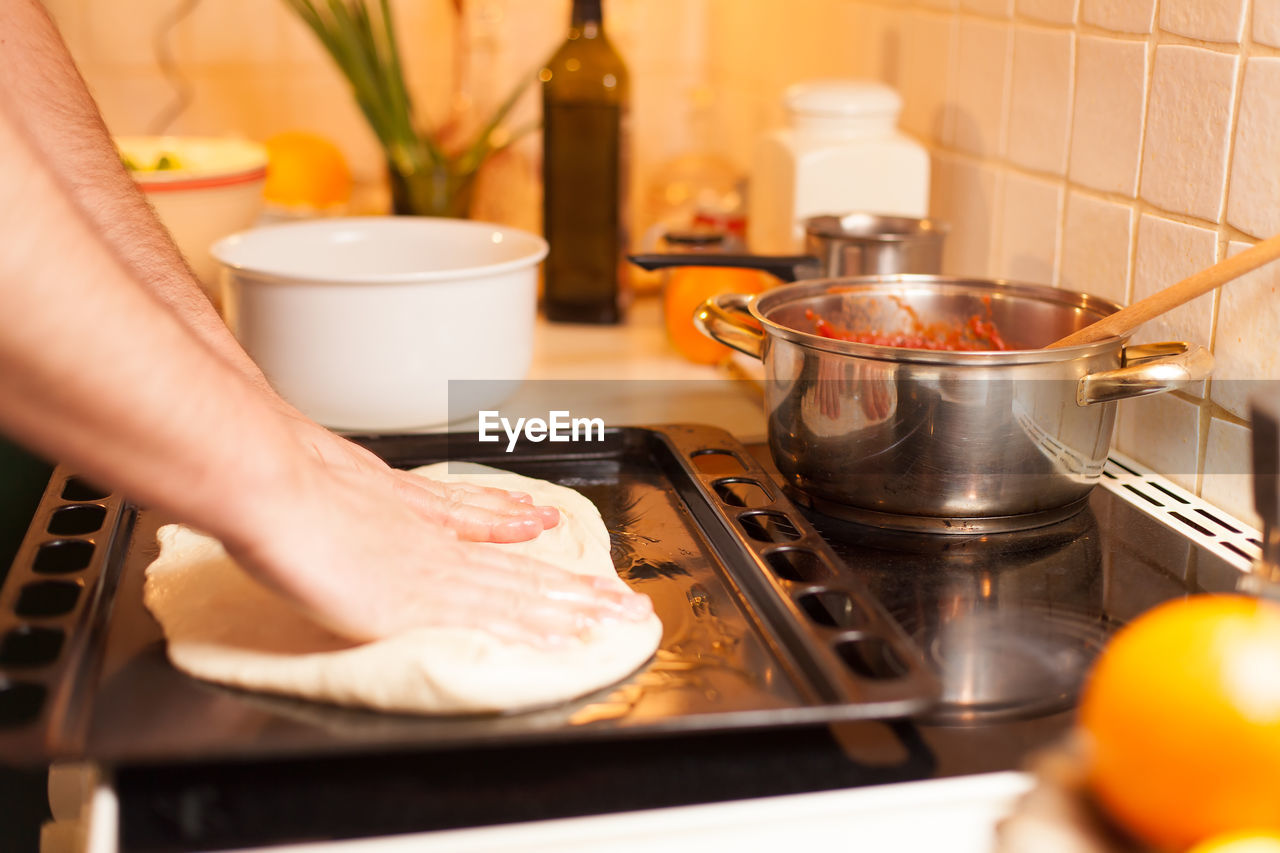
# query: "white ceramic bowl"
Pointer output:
{"type": "Point", "coordinates": [362, 323]}
{"type": "Point", "coordinates": [215, 190]}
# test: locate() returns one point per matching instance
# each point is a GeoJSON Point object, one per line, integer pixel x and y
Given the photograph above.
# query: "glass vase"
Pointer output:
{"type": "Point", "coordinates": [433, 191]}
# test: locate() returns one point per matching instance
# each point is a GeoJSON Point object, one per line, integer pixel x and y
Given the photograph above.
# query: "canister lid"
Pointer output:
{"type": "Point", "coordinates": [842, 98]}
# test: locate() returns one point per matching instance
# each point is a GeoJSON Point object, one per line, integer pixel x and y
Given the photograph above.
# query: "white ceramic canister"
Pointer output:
{"type": "Point", "coordinates": [841, 151]}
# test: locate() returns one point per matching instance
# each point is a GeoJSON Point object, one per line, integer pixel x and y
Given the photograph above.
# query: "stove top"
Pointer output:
{"type": "Point", "coordinates": [1010, 622]}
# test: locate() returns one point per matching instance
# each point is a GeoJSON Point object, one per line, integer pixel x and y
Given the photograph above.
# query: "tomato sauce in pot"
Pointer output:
{"type": "Point", "coordinates": [969, 335]}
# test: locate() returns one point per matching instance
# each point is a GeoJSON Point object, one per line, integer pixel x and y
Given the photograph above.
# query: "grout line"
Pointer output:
{"type": "Point", "coordinates": [1059, 249]}
{"type": "Point", "coordinates": [1006, 93]}
{"type": "Point", "coordinates": [1202, 445]}
{"type": "Point", "coordinates": [953, 73]}
{"type": "Point", "coordinates": [1148, 87]}
{"type": "Point", "coordinates": [1207, 405]}
{"type": "Point", "coordinates": [1237, 99]}
{"type": "Point", "coordinates": [1082, 27]}
{"type": "Point", "coordinates": [1139, 205]}
{"type": "Point", "coordinates": [1060, 240]}
{"type": "Point", "coordinates": [995, 242]}
{"type": "Point", "coordinates": [1218, 412]}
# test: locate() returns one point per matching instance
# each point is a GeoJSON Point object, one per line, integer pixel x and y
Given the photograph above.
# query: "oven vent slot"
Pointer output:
{"type": "Point", "coordinates": [1191, 516]}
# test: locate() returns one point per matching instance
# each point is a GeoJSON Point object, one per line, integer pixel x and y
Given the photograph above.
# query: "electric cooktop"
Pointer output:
{"type": "Point", "coordinates": [1008, 623]}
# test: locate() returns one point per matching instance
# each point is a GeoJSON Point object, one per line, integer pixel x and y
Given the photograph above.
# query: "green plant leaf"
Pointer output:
{"type": "Point", "coordinates": [482, 146]}
{"type": "Point", "coordinates": [362, 43]}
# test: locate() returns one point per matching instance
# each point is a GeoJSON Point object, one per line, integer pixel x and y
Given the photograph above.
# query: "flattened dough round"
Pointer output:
{"type": "Point", "coordinates": [223, 626]}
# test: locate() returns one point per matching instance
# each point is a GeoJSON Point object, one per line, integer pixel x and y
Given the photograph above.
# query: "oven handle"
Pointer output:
{"type": "Point", "coordinates": [1148, 369]}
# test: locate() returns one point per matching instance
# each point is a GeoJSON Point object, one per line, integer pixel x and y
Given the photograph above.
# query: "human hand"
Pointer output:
{"type": "Point", "coordinates": [361, 561]}
{"type": "Point", "coordinates": [475, 513]}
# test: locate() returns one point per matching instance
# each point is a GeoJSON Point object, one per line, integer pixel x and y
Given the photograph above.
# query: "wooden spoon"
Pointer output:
{"type": "Point", "coordinates": [1127, 319]}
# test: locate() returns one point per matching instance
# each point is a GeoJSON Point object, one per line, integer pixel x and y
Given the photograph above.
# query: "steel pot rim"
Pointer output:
{"type": "Point", "coordinates": [860, 227]}
{"type": "Point", "coordinates": [760, 305]}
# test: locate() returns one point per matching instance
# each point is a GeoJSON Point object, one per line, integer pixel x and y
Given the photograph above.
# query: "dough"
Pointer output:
{"type": "Point", "coordinates": [223, 626]}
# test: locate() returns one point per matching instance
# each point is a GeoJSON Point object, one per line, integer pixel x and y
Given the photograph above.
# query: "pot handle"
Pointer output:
{"type": "Point", "coordinates": [1148, 369]}
{"type": "Point", "coordinates": [786, 267]}
{"type": "Point", "coordinates": [727, 319]}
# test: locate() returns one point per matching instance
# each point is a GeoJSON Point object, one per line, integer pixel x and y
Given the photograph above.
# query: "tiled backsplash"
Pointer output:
{"type": "Point", "coordinates": [1115, 147]}
{"type": "Point", "coordinates": [1111, 146]}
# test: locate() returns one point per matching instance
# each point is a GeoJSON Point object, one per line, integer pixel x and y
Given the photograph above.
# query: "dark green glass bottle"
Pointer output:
{"type": "Point", "coordinates": [585, 97]}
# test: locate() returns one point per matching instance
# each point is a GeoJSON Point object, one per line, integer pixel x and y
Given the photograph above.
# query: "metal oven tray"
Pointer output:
{"type": "Point", "coordinates": [763, 624]}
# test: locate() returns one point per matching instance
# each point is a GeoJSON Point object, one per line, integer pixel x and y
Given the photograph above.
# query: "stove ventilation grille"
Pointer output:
{"type": "Point", "coordinates": [1193, 517]}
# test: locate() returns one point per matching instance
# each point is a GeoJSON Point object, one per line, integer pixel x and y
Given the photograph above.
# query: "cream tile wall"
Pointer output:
{"type": "Point", "coordinates": [1106, 139]}
{"type": "Point", "coordinates": [1040, 98]}
{"type": "Point", "coordinates": [1109, 146]}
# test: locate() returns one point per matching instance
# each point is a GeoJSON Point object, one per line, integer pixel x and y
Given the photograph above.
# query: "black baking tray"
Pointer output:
{"type": "Point", "coordinates": [763, 624]}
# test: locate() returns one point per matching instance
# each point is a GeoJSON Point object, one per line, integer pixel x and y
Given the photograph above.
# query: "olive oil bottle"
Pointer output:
{"type": "Point", "coordinates": [585, 99]}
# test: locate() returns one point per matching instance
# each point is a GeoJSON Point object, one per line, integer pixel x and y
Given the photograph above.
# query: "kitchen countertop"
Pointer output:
{"type": "Point", "coordinates": [629, 375]}
{"type": "Point", "coordinates": [636, 349]}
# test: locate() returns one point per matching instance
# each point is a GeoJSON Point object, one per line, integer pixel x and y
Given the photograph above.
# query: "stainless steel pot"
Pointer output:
{"type": "Point", "coordinates": [849, 244]}
{"type": "Point", "coordinates": [941, 441]}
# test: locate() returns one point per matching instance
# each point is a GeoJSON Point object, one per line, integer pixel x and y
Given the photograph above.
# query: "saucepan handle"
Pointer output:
{"type": "Point", "coordinates": [1148, 369]}
{"type": "Point", "coordinates": [727, 319]}
{"type": "Point", "coordinates": [786, 267]}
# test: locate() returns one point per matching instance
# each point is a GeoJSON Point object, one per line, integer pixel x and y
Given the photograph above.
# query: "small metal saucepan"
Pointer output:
{"type": "Point", "coordinates": [941, 441]}
{"type": "Point", "coordinates": [850, 244]}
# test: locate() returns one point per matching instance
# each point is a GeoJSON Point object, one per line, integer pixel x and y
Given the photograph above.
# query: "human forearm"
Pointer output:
{"type": "Point", "coordinates": [63, 122]}
{"type": "Point", "coordinates": [97, 373]}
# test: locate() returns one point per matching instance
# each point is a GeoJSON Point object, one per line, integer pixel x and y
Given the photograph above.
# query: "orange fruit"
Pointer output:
{"type": "Point", "coordinates": [305, 170]}
{"type": "Point", "coordinates": [686, 289]}
{"type": "Point", "coordinates": [1240, 842]}
{"type": "Point", "coordinates": [1182, 710]}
